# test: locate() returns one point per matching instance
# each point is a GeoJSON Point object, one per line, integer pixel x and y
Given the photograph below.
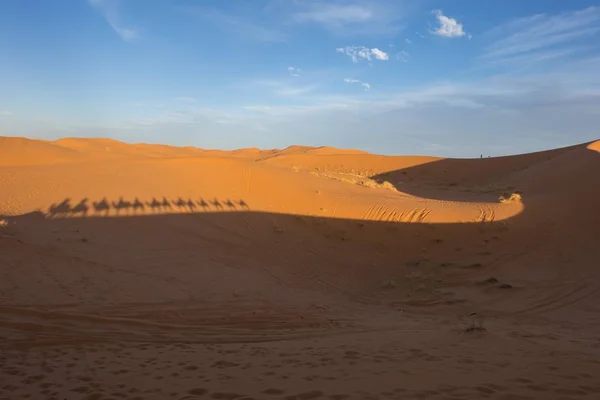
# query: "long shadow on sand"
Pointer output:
{"type": "Point", "coordinates": [124, 207]}
{"type": "Point", "coordinates": [539, 266]}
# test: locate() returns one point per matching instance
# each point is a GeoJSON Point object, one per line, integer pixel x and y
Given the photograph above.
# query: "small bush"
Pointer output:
{"type": "Point", "coordinates": [277, 228]}
{"type": "Point", "coordinates": [507, 198]}
{"type": "Point", "coordinates": [476, 326]}
{"type": "Point", "coordinates": [388, 284]}
{"type": "Point", "coordinates": [489, 281]}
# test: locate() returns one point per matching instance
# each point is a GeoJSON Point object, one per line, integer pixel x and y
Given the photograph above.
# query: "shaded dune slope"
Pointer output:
{"type": "Point", "coordinates": [259, 245]}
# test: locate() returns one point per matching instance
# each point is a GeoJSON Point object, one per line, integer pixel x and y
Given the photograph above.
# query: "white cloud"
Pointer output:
{"type": "Point", "coordinates": [5, 113]}
{"type": "Point", "coordinates": [294, 71]}
{"type": "Point", "coordinates": [542, 37]}
{"type": "Point", "coordinates": [365, 85]}
{"type": "Point", "coordinates": [420, 35]}
{"type": "Point", "coordinates": [449, 27]}
{"type": "Point", "coordinates": [408, 41]}
{"type": "Point", "coordinates": [380, 55]}
{"type": "Point", "coordinates": [109, 9]}
{"type": "Point", "coordinates": [356, 53]}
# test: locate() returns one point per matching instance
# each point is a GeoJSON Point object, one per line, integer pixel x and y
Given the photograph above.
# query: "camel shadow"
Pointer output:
{"type": "Point", "coordinates": [191, 205]}
{"type": "Point", "coordinates": [203, 204]}
{"type": "Point", "coordinates": [63, 208]}
{"type": "Point", "coordinates": [217, 204]}
{"type": "Point", "coordinates": [137, 206]}
{"type": "Point", "coordinates": [155, 205]}
{"type": "Point", "coordinates": [180, 204]}
{"type": "Point", "coordinates": [122, 205]}
{"type": "Point", "coordinates": [166, 205]}
{"type": "Point", "coordinates": [102, 206]}
{"type": "Point", "coordinates": [230, 204]}
{"type": "Point", "coordinates": [81, 208]}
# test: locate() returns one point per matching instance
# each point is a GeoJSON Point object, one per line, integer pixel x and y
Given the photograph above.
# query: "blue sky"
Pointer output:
{"type": "Point", "coordinates": [452, 78]}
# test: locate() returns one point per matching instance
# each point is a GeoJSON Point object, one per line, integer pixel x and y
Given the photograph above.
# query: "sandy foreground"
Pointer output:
{"type": "Point", "coordinates": [157, 272]}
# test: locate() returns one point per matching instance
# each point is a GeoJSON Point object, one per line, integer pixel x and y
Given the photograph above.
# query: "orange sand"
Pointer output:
{"type": "Point", "coordinates": [153, 272]}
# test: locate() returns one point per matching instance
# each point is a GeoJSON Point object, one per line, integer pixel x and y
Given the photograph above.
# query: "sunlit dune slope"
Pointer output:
{"type": "Point", "coordinates": [144, 174]}
{"type": "Point", "coordinates": [25, 152]}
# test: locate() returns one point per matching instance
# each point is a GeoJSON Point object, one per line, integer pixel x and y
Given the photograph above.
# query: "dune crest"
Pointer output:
{"type": "Point", "coordinates": [332, 190]}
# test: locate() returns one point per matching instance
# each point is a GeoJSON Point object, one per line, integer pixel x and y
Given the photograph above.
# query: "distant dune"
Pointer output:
{"type": "Point", "coordinates": [150, 271]}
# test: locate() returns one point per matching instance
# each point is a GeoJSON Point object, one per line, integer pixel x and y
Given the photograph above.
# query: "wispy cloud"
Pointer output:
{"type": "Point", "coordinates": [109, 8]}
{"type": "Point", "coordinates": [408, 41]}
{"type": "Point", "coordinates": [294, 90]}
{"type": "Point", "coordinates": [185, 99]}
{"type": "Point", "coordinates": [356, 53]}
{"type": "Point", "coordinates": [335, 15]}
{"type": "Point", "coordinates": [365, 85]}
{"type": "Point", "coordinates": [290, 110]}
{"type": "Point", "coordinates": [542, 37]}
{"type": "Point", "coordinates": [279, 87]}
{"type": "Point", "coordinates": [402, 56]}
{"type": "Point", "coordinates": [547, 108]}
{"type": "Point", "coordinates": [243, 26]}
{"type": "Point", "coordinates": [192, 116]}
{"type": "Point", "coordinates": [5, 113]}
{"type": "Point", "coordinates": [294, 71]}
{"type": "Point", "coordinates": [448, 27]}
{"type": "Point", "coordinates": [350, 17]}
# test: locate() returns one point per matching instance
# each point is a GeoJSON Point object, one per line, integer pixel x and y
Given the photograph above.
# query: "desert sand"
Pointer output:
{"type": "Point", "coordinates": [136, 271]}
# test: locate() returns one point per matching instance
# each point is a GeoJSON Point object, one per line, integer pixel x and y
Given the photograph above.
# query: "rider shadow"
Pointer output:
{"type": "Point", "coordinates": [243, 204]}
{"type": "Point", "coordinates": [81, 208]}
{"type": "Point", "coordinates": [155, 205]}
{"type": "Point", "coordinates": [166, 205]}
{"type": "Point", "coordinates": [203, 204]}
{"type": "Point", "coordinates": [230, 204]}
{"type": "Point", "coordinates": [137, 205]}
{"type": "Point", "coordinates": [102, 206]}
{"type": "Point", "coordinates": [63, 208]}
{"type": "Point", "coordinates": [191, 205]}
{"type": "Point", "coordinates": [217, 204]}
{"type": "Point", "coordinates": [122, 205]}
{"type": "Point", "coordinates": [180, 204]}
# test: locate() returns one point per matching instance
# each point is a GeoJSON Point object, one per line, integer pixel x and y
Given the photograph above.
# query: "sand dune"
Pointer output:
{"type": "Point", "coordinates": [151, 272]}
